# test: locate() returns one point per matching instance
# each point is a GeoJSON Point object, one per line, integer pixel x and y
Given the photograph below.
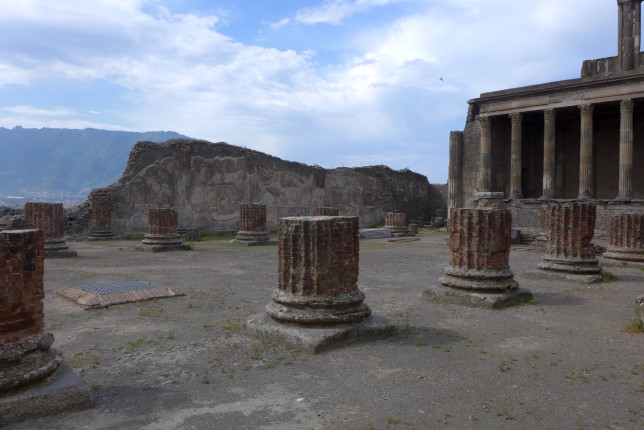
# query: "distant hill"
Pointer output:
{"type": "Point", "coordinates": [64, 162]}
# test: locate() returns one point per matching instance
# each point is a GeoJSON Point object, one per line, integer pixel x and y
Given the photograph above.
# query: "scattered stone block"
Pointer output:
{"type": "Point", "coordinates": [193, 235]}
{"type": "Point", "coordinates": [479, 273]}
{"type": "Point", "coordinates": [26, 356]}
{"type": "Point", "coordinates": [317, 303]}
{"type": "Point", "coordinates": [569, 250]}
{"type": "Point", "coordinates": [162, 232]}
{"type": "Point", "coordinates": [375, 233]}
{"type": "Point", "coordinates": [412, 228]}
{"type": "Point", "coordinates": [48, 217]}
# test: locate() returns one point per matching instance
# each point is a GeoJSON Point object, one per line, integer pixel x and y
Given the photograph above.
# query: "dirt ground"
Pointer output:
{"type": "Point", "coordinates": [572, 359]}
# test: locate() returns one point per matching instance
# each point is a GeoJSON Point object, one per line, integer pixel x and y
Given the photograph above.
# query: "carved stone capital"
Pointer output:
{"type": "Point", "coordinates": [516, 117]}
{"type": "Point", "coordinates": [549, 114]}
{"type": "Point", "coordinates": [626, 106]}
{"type": "Point", "coordinates": [586, 110]}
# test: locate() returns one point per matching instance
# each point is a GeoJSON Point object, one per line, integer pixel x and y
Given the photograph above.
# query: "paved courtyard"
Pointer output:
{"type": "Point", "coordinates": [570, 360]}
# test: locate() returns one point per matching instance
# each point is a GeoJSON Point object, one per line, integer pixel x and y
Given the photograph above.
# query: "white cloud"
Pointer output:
{"type": "Point", "coordinates": [34, 111]}
{"type": "Point", "coordinates": [335, 11]}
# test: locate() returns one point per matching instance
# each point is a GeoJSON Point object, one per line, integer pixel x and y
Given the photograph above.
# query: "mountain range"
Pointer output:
{"type": "Point", "coordinates": [65, 163]}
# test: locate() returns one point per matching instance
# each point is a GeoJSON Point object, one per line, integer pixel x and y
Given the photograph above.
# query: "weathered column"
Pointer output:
{"type": "Point", "coordinates": [569, 251]}
{"type": "Point", "coordinates": [479, 273]}
{"type": "Point", "coordinates": [626, 237]}
{"type": "Point", "coordinates": [485, 168]}
{"type": "Point", "coordinates": [326, 211]}
{"type": "Point", "coordinates": [25, 349]}
{"type": "Point", "coordinates": [182, 182]}
{"type": "Point", "coordinates": [49, 217]}
{"type": "Point", "coordinates": [318, 272]}
{"type": "Point", "coordinates": [586, 185]}
{"type": "Point", "coordinates": [396, 222]}
{"type": "Point", "coordinates": [162, 232]}
{"type": "Point", "coordinates": [515, 156]}
{"type": "Point", "coordinates": [455, 177]}
{"type": "Point", "coordinates": [100, 206]}
{"type": "Point", "coordinates": [548, 154]}
{"type": "Point", "coordinates": [252, 224]}
{"type": "Point", "coordinates": [626, 151]}
{"type": "Point", "coordinates": [626, 42]}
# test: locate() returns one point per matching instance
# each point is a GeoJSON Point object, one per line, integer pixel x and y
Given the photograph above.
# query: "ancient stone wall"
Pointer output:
{"type": "Point", "coordinates": [207, 191]}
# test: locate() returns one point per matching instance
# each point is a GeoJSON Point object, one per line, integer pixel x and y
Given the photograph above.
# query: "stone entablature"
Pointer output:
{"type": "Point", "coordinates": [318, 272]}
{"type": "Point", "coordinates": [626, 237]}
{"type": "Point", "coordinates": [25, 350]}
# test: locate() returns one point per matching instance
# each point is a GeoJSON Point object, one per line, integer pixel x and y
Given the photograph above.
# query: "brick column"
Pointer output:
{"type": "Point", "coordinates": [100, 206]}
{"type": "Point", "coordinates": [548, 154]}
{"type": "Point", "coordinates": [326, 211]}
{"type": "Point", "coordinates": [162, 232]}
{"type": "Point", "coordinates": [626, 151]}
{"type": "Point", "coordinates": [480, 247]}
{"type": "Point", "coordinates": [396, 222]}
{"type": "Point", "coordinates": [515, 157]}
{"type": "Point", "coordinates": [626, 237]}
{"type": "Point", "coordinates": [252, 223]}
{"type": "Point", "coordinates": [318, 272]}
{"type": "Point", "coordinates": [586, 186]}
{"type": "Point", "coordinates": [49, 218]}
{"type": "Point", "coordinates": [455, 177]}
{"type": "Point", "coordinates": [25, 350]}
{"type": "Point", "coordinates": [485, 167]}
{"type": "Point", "coordinates": [570, 230]}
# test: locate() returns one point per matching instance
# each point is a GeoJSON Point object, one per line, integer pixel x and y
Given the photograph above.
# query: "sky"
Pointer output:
{"type": "Point", "coordinates": [327, 82]}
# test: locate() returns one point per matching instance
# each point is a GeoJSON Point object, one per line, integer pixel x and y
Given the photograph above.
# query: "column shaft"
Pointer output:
{"type": "Point", "coordinates": [455, 169]}
{"type": "Point", "coordinates": [485, 168]}
{"type": "Point", "coordinates": [626, 151]}
{"type": "Point", "coordinates": [515, 156]}
{"type": "Point", "coordinates": [586, 185]}
{"type": "Point", "coordinates": [548, 154]}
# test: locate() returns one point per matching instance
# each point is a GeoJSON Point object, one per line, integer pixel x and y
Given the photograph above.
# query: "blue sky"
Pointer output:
{"type": "Point", "coordinates": [328, 82]}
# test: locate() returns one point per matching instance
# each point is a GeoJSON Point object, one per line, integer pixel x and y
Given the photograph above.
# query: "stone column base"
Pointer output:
{"type": "Point", "coordinates": [251, 238]}
{"type": "Point", "coordinates": [63, 391]}
{"type": "Point", "coordinates": [314, 339]}
{"type": "Point", "coordinates": [488, 300]}
{"type": "Point", "coordinates": [485, 281]}
{"type": "Point", "coordinates": [101, 234]}
{"type": "Point", "coordinates": [583, 267]}
{"type": "Point", "coordinates": [58, 248]}
{"type": "Point", "coordinates": [310, 310]}
{"type": "Point", "coordinates": [625, 254]}
{"type": "Point", "coordinates": [26, 360]}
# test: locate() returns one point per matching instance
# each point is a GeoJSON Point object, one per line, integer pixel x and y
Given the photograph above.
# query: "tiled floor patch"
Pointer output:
{"type": "Point", "coordinates": [113, 293]}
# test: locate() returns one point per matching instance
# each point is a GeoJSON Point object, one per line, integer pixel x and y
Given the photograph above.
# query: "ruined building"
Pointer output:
{"type": "Point", "coordinates": [206, 183]}
{"type": "Point", "coordinates": [575, 139]}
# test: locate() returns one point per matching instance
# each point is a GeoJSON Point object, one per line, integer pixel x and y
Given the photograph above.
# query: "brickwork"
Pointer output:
{"type": "Point", "coordinates": [570, 227]}
{"type": "Point", "coordinates": [162, 227]}
{"type": "Point", "coordinates": [479, 243]}
{"type": "Point", "coordinates": [318, 271]}
{"type": "Point", "coordinates": [326, 211]}
{"type": "Point", "coordinates": [100, 204]}
{"type": "Point", "coordinates": [626, 237]}
{"type": "Point", "coordinates": [24, 349]}
{"type": "Point", "coordinates": [396, 221]}
{"type": "Point", "coordinates": [183, 156]}
{"type": "Point", "coordinates": [47, 217]}
{"type": "Point", "coordinates": [252, 217]}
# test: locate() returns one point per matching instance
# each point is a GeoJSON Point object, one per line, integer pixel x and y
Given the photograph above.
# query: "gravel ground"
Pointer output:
{"type": "Point", "coordinates": [572, 359]}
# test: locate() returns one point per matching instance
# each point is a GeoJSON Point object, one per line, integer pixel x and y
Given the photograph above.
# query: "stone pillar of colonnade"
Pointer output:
{"type": "Point", "coordinates": [586, 186]}
{"type": "Point", "coordinates": [100, 206]}
{"type": "Point", "coordinates": [515, 156]}
{"type": "Point", "coordinates": [252, 225]}
{"type": "Point", "coordinates": [455, 173]}
{"type": "Point", "coordinates": [626, 151]}
{"type": "Point", "coordinates": [485, 163]}
{"type": "Point", "coordinates": [548, 154]}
